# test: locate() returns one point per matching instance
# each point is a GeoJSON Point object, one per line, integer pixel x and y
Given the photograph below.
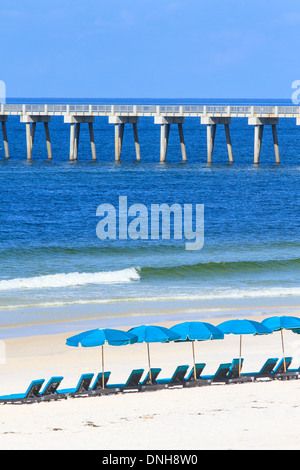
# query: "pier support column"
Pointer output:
{"type": "Point", "coordinates": [136, 142]}
{"type": "Point", "coordinates": [3, 120]}
{"type": "Point", "coordinates": [165, 125]}
{"type": "Point", "coordinates": [259, 123]}
{"type": "Point", "coordinates": [276, 146]}
{"type": "Point", "coordinates": [28, 141]}
{"type": "Point", "coordinates": [119, 123]}
{"type": "Point", "coordinates": [211, 134]}
{"type": "Point", "coordinates": [48, 141]}
{"type": "Point", "coordinates": [92, 140]}
{"type": "Point", "coordinates": [76, 141]}
{"type": "Point", "coordinates": [258, 135]}
{"type": "Point", "coordinates": [75, 122]}
{"type": "Point", "coordinates": [228, 141]}
{"type": "Point", "coordinates": [119, 133]}
{"type": "Point", "coordinates": [182, 142]}
{"type": "Point", "coordinates": [164, 140]}
{"type": "Point", "coordinates": [72, 140]}
{"type": "Point", "coordinates": [211, 123]}
{"type": "Point", "coordinates": [31, 122]}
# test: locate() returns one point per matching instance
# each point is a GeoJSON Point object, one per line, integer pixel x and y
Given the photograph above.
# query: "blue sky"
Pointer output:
{"type": "Point", "coordinates": [150, 48]}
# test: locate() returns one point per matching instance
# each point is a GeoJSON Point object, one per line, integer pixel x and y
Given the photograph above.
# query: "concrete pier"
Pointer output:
{"type": "Point", "coordinates": [211, 124]}
{"type": "Point", "coordinates": [259, 123]}
{"type": "Point", "coordinates": [164, 115]}
{"type": "Point", "coordinates": [165, 123]}
{"type": "Point", "coordinates": [119, 122]}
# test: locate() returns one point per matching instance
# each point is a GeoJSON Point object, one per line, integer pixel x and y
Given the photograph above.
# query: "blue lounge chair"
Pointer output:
{"type": "Point", "coordinates": [148, 382]}
{"type": "Point", "coordinates": [190, 381]}
{"type": "Point", "coordinates": [279, 372]}
{"type": "Point", "coordinates": [233, 373]}
{"type": "Point", "coordinates": [50, 389]}
{"type": "Point", "coordinates": [265, 371]}
{"type": "Point", "coordinates": [98, 384]}
{"type": "Point", "coordinates": [176, 379]}
{"type": "Point", "coordinates": [280, 367]}
{"type": "Point", "coordinates": [220, 375]}
{"type": "Point", "coordinates": [191, 375]}
{"type": "Point", "coordinates": [81, 389]}
{"type": "Point", "coordinates": [131, 384]}
{"type": "Point", "coordinates": [31, 395]}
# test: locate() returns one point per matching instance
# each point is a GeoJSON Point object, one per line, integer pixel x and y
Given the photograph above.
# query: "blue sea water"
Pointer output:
{"type": "Point", "coordinates": [50, 255]}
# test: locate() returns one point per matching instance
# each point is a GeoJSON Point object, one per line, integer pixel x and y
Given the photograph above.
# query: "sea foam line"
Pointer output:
{"type": "Point", "coordinates": [71, 279]}
{"type": "Point", "coordinates": [230, 294]}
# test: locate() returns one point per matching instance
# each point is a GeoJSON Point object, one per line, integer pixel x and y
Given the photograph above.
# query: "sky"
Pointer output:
{"type": "Point", "coordinates": [150, 48]}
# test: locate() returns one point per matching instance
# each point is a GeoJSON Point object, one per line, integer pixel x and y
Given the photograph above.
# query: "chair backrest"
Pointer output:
{"type": "Point", "coordinates": [280, 368]}
{"type": "Point", "coordinates": [222, 372]}
{"type": "Point", "coordinates": [34, 388]}
{"type": "Point", "coordinates": [84, 383]}
{"type": "Point", "coordinates": [179, 374]}
{"type": "Point", "coordinates": [52, 386]}
{"type": "Point", "coordinates": [199, 370]}
{"type": "Point", "coordinates": [98, 384]}
{"type": "Point", "coordinates": [234, 368]}
{"type": "Point", "coordinates": [268, 366]}
{"type": "Point", "coordinates": [154, 374]}
{"type": "Point", "coordinates": [134, 378]}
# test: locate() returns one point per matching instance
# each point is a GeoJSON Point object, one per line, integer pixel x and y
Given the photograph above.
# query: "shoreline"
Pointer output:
{"type": "Point", "coordinates": [45, 321]}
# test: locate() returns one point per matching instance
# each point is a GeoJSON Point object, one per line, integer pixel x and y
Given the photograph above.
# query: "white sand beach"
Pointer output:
{"type": "Point", "coordinates": [259, 415]}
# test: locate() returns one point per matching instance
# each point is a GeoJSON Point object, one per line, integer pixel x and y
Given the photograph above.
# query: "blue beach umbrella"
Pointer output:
{"type": "Point", "coordinates": [196, 331]}
{"type": "Point", "coordinates": [99, 337]}
{"type": "Point", "coordinates": [153, 334]}
{"type": "Point", "coordinates": [280, 324]}
{"type": "Point", "coordinates": [243, 327]}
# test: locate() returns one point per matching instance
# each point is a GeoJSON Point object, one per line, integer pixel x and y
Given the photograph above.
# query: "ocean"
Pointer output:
{"type": "Point", "coordinates": [55, 268]}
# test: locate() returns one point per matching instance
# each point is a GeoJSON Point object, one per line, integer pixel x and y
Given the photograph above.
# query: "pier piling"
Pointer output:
{"type": "Point", "coordinates": [259, 123]}
{"type": "Point", "coordinates": [119, 122]}
{"type": "Point", "coordinates": [3, 120]}
{"type": "Point", "coordinates": [165, 124]}
{"type": "Point", "coordinates": [31, 122]}
{"type": "Point", "coordinates": [75, 122]}
{"type": "Point", "coordinates": [92, 140]}
{"type": "Point", "coordinates": [211, 124]}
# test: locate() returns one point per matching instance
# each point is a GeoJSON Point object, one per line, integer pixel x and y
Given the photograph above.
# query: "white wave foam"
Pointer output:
{"type": "Point", "coordinates": [71, 279]}
{"type": "Point", "coordinates": [232, 294]}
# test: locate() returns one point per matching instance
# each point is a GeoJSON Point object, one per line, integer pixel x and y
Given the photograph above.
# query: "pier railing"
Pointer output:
{"type": "Point", "coordinates": [149, 110]}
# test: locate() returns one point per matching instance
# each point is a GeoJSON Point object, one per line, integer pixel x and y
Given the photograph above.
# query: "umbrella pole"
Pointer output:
{"type": "Point", "coordinates": [193, 348]}
{"type": "Point", "coordinates": [102, 366]}
{"type": "Point", "coordinates": [148, 351]}
{"type": "Point", "coordinates": [282, 344]}
{"type": "Point", "coordinates": [240, 360]}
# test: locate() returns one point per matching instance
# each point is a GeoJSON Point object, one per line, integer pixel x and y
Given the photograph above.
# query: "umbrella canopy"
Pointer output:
{"type": "Point", "coordinates": [152, 334]}
{"type": "Point", "coordinates": [196, 331]}
{"type": "Point", "coordinates": [283, 323]}
{"type": "Point", "coordinates": [99, 337]}
{"type": "Point", "coordinates": [243, 327]}
{"type": "Point", "coordinates": [279, 323]}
